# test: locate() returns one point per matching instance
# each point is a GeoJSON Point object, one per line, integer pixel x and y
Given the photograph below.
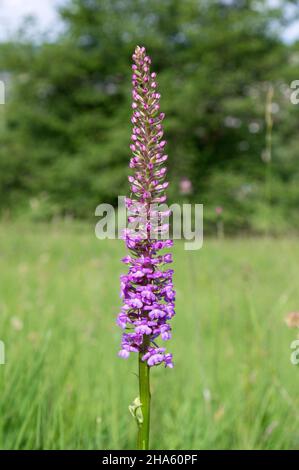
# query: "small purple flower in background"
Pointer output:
{"type": "Point", "coordinates": [185, 186]}
{"type": "Point", "coordinates": [219, 210]}
{"type": "Point", "coordinates": [147, 288]}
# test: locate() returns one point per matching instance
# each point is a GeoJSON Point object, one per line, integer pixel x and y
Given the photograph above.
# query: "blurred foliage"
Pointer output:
{"type": "Point", "coordinates": [65, 139]}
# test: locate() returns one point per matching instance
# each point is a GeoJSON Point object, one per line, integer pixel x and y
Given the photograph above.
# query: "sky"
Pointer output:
{"type": "Point", "coordinates": [12, 12]}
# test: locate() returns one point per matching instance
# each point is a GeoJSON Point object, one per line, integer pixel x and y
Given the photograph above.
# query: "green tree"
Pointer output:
{"type": "Point", "coordinates": [68, 118]}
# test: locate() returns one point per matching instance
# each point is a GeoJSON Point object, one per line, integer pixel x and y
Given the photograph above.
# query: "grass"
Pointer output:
{"type": "Point", "coordinates": [63, 387]}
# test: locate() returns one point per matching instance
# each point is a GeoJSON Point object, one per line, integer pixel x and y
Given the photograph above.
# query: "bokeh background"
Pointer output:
{"type": "Point", "coordinates": [65, 127]}
{"type": "Point", "coordinates": [224, 69]}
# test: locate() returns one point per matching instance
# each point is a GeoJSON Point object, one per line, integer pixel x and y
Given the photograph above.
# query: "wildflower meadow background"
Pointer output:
{"type": "Point", "coordinates": [225, 70]}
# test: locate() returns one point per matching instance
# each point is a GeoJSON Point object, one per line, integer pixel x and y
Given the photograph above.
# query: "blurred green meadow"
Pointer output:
{"type": "Point", "coordinates": [63, 386]}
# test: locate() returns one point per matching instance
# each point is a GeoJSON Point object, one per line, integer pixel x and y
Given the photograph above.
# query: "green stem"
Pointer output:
{"type": "Point", "coordinates": [145, 399]}
{"type": "Point", "coordinates": [268, 154]}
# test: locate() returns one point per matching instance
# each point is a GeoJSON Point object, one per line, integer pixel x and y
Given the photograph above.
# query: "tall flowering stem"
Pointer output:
{"type": "Point", "coordinates": [147, 288]}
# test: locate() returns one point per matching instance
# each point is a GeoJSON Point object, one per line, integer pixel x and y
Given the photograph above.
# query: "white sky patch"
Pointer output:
{"type": "Point", "coordinates": [13, 11]}
{"type": "Point", "coordinates": [291, 33]}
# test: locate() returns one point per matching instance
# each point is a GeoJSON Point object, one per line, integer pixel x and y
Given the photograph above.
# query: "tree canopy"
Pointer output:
{"type": "Point", "coordinates": [65, 136]}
